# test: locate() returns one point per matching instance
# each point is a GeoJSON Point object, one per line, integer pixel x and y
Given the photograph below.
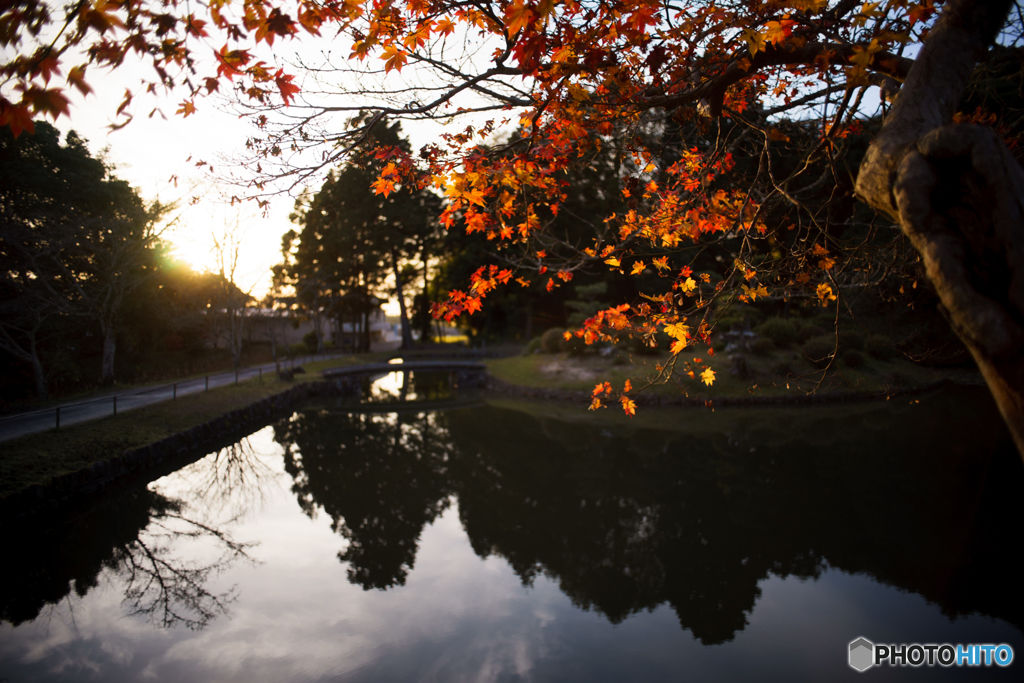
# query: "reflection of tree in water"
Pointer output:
{"type": "Point", "coordinates": [228, 484]}
{"type": "Point", "coordinates": [625, 520]}
{"type": "Point", "coordinates": [628, 520]}
{"type": "Point", "coordinates": [137, 536]}
{"type": "Point", "coordinates": [166, 589]}
{"type": "Point", "coordinates": [381, 479]}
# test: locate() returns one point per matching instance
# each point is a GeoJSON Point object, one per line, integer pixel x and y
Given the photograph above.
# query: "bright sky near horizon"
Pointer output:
{"type": "Point", "coordinates": [155, 147]}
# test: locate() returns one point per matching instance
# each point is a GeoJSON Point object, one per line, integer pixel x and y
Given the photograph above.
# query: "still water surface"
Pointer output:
{"type": "Point", "coordinates": [485, 540]}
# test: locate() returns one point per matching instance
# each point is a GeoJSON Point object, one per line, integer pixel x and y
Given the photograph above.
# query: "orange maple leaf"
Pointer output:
{"type": "Point", "coordinates": [628, 406]}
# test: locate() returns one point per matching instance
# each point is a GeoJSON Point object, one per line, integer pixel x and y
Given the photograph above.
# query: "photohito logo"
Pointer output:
{"type": "Point", "coordinates": [863, 654]}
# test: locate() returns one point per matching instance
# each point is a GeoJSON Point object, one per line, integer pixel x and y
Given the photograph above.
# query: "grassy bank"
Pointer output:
{"type": "Point", "coordinates": [775, 374]}
{"type": "Point", "coordinates": [37, 458]}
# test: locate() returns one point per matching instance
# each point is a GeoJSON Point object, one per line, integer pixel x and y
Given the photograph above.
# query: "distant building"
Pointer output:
{"type": "Point", "coordinates": [340, 331]}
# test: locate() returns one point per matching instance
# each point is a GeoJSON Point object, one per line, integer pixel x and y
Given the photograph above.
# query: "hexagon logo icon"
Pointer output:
{"type": "Point", "coordinates": [862, 654]}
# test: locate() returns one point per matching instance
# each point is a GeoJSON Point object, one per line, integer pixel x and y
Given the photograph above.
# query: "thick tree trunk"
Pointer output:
{"type": "Point", "coordinates": [364, 344]}
{"type": "Point", "coordinates": [425, 316]}
{"type": "Point", "coordinates": [403, 312]}
{"type": "Point", "coordinates": [958, 194]}
{"type": "Point", "coordinates": [39, 376]}
{"type": "Point", "coordinates": [109, 350]}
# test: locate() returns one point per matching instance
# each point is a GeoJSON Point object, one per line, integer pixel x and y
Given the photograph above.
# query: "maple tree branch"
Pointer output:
{"type": "Point", "coordinates": [741, 66]}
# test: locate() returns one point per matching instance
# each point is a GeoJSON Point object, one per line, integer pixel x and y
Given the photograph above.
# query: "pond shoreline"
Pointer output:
{"type": "Point", "coordinates": [660, 400]}
{"type": "Point", "coordinates": [71, 488]}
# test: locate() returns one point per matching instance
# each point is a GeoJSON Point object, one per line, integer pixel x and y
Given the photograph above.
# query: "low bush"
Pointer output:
{"type": "Point", "coordinates": [853, 358]}
{"type": "Point", "coordinates": [762, 346]}
{"type": "Point", "coordinates": [851, 340]}
{"type": "Point", "coordinates": [819, 350]}
{"type": "Point", "coordinates": [880, 346]}
{"type": "Point", "coordinates": [781, 331]}
{"type": "Point", "coordinates": [309, 339]}
{"type": "Point", "coordinates": [300, 349]}
{"type": "Point", "coordinates": [533, 347]}
{"type": "Point", "coordinates": [784, 369]}
{"type": "Point", "coordinates": [896, 379]}
{"type": "Point", "coordinates": [551, 340]}
{"type": "Point", "coordinates": [810, 331]}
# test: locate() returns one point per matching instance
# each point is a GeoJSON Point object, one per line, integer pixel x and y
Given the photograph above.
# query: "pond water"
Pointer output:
{"type": "Point", "coordinates": [473, 538]}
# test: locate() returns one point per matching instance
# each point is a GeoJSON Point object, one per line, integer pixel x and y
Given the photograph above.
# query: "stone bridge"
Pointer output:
{"type": "Point", "coordinates": [464, 374]}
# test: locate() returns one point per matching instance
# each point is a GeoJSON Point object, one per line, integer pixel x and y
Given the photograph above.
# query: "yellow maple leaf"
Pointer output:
{"type": "Point", "coordinates": [638, 267]}
{"type": "Point", "coordinates": [677, 346]}
{"type": "Point", "coordinates": [755, 41]}
{"type": "Point", "coordinates": [661, 263]}
{"type": "Point", "coordinates": [689, 286]}
{"type": "Point", "coordinates": [613, 262]}
{"type": "Point", "coordinates": [678, 331]}
{"type": "Point", "coordinates": [754, 292]}
{"type": "Point", "coordinates": [825, 294]}
{"type": "Point", "coordinates": [708, 376]}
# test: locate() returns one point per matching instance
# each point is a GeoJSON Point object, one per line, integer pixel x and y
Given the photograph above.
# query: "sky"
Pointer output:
{"type": "Point", "coordinates": [148, 152]}
{"type": "Point", "coordinates": [160, 145]}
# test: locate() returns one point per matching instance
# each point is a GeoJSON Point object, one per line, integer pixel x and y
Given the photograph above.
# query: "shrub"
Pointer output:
{"type": "Point", "coordinates": [551, 340]}
{"type": "Point", "coordinates": [784, 368]}
{"type": "Point", "coordinates": [896, 379]}
{"type": "Point", "coordinates": [574, 345]}
{"type": "Point", "coordinates": [762, 346]}
{"type": "Point", "coordinates": [879, 346]}
{"type": "Point", "coordinates": [780, 330]}
{"type": "Point", "coordinates": [851, 339]}
{"type": "Point", "coordinates": [819, 350]}
{"type": "Point", "coordinates": [309, 339]}
{"type": "Point", "coordinates": [853, 358]}
{"type": "Point", "coordinates": [809, 331]}
{"type": "Point", "coordinates": [533, 347]}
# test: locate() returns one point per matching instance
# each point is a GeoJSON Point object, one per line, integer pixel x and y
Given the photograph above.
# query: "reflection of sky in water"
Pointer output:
{"type": "Point", "coordinates": [389, 385]}
{"type": "Point", "coordinates": [458, 618]}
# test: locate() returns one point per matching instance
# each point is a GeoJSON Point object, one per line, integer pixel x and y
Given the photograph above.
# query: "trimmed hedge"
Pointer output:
{"type": "Point", "coordinates": [780, 330]}
{"type": "Point", "coordinates": [819, 350]}
{"type": "Point", "coordinates": [551, 340]}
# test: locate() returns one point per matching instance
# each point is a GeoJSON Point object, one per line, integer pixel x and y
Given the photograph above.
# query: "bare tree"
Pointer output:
{"type": "Point", "coordinates": [227, 246]}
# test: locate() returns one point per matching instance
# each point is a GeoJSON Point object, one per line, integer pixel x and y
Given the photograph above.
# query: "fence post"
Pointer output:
{"type": "Point", "coordinates": [207, 382]}
{"type": "Point", "coordinates": [58, 417]}
{"type": "Point", "coordinates": [175, 395]}
{"type": "Point", "coordinates": [261, 374]}
{"type": "Point", "coordinates": [236, 378]}
{"type": "Point", "coordinates": [115, 406]}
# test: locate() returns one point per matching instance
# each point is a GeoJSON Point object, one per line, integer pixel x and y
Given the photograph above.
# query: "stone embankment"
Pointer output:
{"type": "Point", "coordinates": [165, 454]}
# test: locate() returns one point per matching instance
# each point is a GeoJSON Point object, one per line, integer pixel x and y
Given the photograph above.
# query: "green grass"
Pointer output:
{"type": "Point", "coordinates": [582, 373]}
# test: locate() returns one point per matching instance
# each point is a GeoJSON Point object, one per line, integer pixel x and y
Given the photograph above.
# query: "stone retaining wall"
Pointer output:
{"type": "Point", "coordinates": [203, 438]}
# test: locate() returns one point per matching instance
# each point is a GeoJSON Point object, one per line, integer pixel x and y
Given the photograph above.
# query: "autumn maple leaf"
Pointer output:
{"type": "Point", "coordinates": [285, 85]}
{"type": "Point", "coordinates": [394, 58]}
{"type": "Point", "coordinates": [628, 405]}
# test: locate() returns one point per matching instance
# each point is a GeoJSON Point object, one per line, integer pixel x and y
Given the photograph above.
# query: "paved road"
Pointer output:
{"type": "Point", "coordinates": [35, 421]}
